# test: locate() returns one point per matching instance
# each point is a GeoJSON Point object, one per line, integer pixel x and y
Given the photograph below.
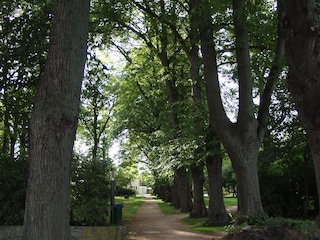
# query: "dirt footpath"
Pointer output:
{"type": "Point", "coordinates": [151, 224]}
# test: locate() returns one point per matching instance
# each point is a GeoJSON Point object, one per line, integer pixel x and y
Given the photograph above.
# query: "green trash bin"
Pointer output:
{"type": "Point", "coordinates": [117, 211]}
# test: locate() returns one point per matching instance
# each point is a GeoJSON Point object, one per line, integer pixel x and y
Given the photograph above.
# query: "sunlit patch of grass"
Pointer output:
{"type": "Point", "coordinates": [166, 208]}
{"type": "Point", "coordinates": [207, 229]}
{"type": "Point", "coordinates": [194, 221]}
{"type": "Point", "coordinates": [197, 224]}
{"type": "Point", "coordinates": [130, 207]}
{"type": "Point", "coordinates": [228, 201]}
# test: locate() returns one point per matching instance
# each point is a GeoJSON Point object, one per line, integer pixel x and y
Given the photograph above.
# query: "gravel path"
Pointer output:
{"type": "Point", "coordinates": [151, 224]}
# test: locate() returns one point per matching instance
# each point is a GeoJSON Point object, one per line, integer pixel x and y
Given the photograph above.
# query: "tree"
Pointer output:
{"type": "Point", "coordinates": [53, 124]}
{"type": "Point", "coordinates": [165, 53]}
{"type": "Point", "coordinates": [23, 50]}
{"type": "Point", "coordinates": [97, 102]}
{"type": "Point", "coordinates": [241, 139]}
{"type": "Point", "coordinates": [90, 188]}
{"type": "Point", "coordinates": [184, 31]}
{"type": "Point", "coordinates": [302, 51]}
{"type": "Point", "coordinates": [285, 163]}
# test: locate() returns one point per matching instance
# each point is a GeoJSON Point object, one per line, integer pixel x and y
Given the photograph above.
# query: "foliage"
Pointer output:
{"type": "Point", "coordinates": [126, 192]}
{"type": "Point", "coordinates": [275, 227]}
{"type": "Point", "coordinates": [90, 192]}
{"type": "Point", "coordinates": [97, 103]}
{"type": "Point", "coordinates": [13, 182]}
{"type": "Point", "coordinates": [229, 177]}
{"type": "Point", "coordinates": [162, 187]}
{"type": "Point", "coordinates": [135, 100]}
{"type": "Point", "coordinates": [24, 30]}
{"type": "Point", "coordinates": [285, 168]}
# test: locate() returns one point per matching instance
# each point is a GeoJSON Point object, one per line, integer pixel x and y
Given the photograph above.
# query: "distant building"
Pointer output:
{"type": "Point", "coordinates": [139, 186]}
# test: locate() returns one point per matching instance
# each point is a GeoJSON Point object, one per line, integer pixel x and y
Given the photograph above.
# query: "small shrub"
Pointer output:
{"type": "Point", "coordinates": [125, 192]}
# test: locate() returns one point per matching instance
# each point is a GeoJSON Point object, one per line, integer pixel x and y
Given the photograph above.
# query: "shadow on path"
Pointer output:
{"type": "Point", "coordinates": [151, 224]}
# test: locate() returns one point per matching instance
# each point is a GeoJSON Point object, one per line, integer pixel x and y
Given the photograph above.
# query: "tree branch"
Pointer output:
{"type": "Point", "coordinates": [277, 66]}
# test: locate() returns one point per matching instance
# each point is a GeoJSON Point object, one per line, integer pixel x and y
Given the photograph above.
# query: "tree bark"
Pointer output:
{"type": "Point", "coordinates": [241, 139]}
{"type": "Point", "coordinates": [183, 189]}
{"type": "Point", "coordinates": [217, 213]}
{"type": "Point", "coordinates": [199, 207]}
{"type": "Point", "coordinates": [53, 124]}
{"type": "Point", "coordinates": [303, 55]}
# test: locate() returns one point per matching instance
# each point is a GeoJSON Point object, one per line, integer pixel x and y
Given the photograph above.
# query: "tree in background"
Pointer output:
{"type": "Point", "coordinates": [242, 138]}
{"type": "Point", "coordinates": [91, 166]}
{"type": "Point", "coordinates": [286, 172]}
{"type": "Point", "coordinates": [53, 124]}
{"type": "Point", "coordinates": [90, 191]}
{"type": "Point", "coordinates": [23, 49]}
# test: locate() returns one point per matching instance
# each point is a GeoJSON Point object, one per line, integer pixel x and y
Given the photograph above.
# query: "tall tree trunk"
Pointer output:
{"type": "Point", "coordinates": [199, 207]}
{"type": "Point", "coordinates": [53, 124]}
{"type": "Point", "coordinates": [244, 163]}
{"type": "Point", "coordinates": [303, 55]}
{"type": "Point", "coordinates": [175, 192]}
{"type": "Point", "coordinates": [183, 189]}
{"type": "Point", "coordinates": [217, 213]}
{"type": "Point", "coordinates": [5, 152]}
{"type": "Point", "coordinates": [242, 139]}
{"type": "Point", "coordinates": [181, 197]}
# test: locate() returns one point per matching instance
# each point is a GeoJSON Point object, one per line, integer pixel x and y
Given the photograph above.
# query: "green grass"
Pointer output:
{"type": "Point", "coordinates": [228, 201]}
{"type": "Point", "coordinates": [166, 208]}
{"type": "Point", "coordinates": [197, 224]}
{"type": "Point", "coordinates": [130, 207]}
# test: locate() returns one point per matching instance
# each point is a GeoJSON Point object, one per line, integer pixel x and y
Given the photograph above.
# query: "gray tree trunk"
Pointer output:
{"type": "Point", "coordinates": [303, 55]}
{"type": "Point", "coordinates": [217, 213]}
{"type": "Point", "coordinates": [241, 139]}
{"type": "Point", "coordinates": [53, 124]}
{"type": "Point", "coordinates": [199, 207]}
{"type": "Point", "coordinates": [181, 196]}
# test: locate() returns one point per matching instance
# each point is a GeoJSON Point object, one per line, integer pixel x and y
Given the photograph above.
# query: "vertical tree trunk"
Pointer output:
{"type": "Point", "coordinates": [53, 124]}
{"type": "Point", "coordinates": [5, 152]}
{"type": "Point", "coordinates": [175, 192]}
{"type": "Point", "coordinates": [246, 169]}
{"type": "Point", "coordinates": [182, 190]}
{"type": "Point", "coordinates": [217, 213]}
{"type": "Point", "coordinates": [313, 136]}
{"type": "Point", "coordinates": [241, 139]}
{"type": "Point", "coordinates": [303, 55]}
{"type": "Point", "coordinates": [199, 208]}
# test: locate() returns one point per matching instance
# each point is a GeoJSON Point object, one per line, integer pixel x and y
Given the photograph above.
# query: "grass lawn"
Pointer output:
{"type": "Point", "coordinates": [130, 207]}
{"type": "Point", "coordinates": [230, 201]}
{"type": "Point", "coordinates": [166, 207]}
